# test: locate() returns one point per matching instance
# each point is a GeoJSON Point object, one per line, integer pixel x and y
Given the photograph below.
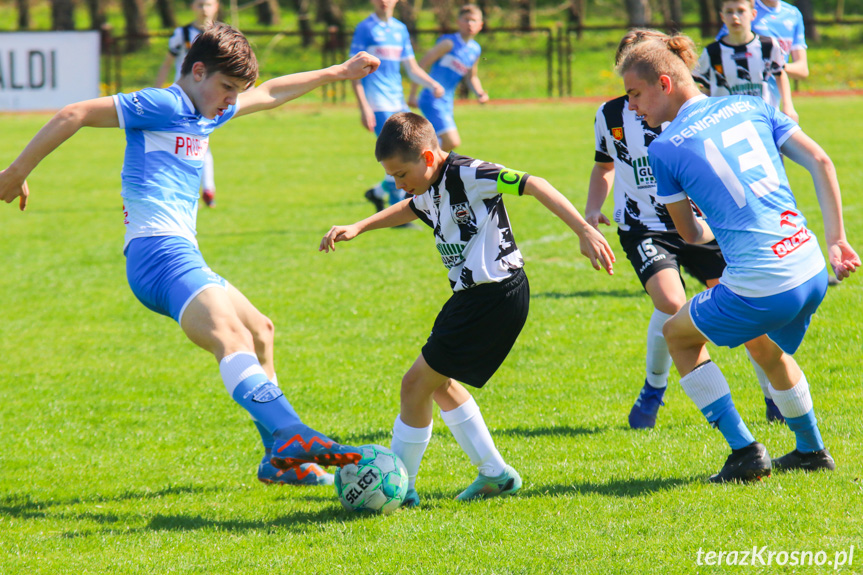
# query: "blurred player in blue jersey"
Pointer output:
{"type": "Point", "coordinates": [380, 95]}
{"type": "Point", "coordinates": [453, 58]}
{"type": "Point", "coordinates": [724, 154]}
{"type": "Point", "coordinates": [167, 135]}
{"type": "Point", "coordinates": [178, 46]}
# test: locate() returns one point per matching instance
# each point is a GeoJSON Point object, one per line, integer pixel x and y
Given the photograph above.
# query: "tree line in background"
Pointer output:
{"type": "Point", "coordinates": [330, 13]}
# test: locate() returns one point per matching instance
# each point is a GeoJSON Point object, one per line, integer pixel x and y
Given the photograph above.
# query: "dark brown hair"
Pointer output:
{"type": "Point", "coordinates": [406, 135]}
{"type": "Point", "coordinates": [222, 48]}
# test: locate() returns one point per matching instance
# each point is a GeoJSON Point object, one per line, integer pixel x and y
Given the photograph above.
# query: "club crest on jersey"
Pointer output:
{"type": "Point", "coordinates": [617, 133]}
{"type": "Point", "coordinates": [461, 213]}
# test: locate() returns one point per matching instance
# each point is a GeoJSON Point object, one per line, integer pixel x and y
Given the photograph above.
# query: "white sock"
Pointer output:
{"type": "Point", "coordinates": [705, 384]}
{"type": "Point", "coordinates": [794, 402]}
{"type": "Point", "coordinates": [410, 443]}
{"type": "Point", "coordinates": [469, 429]}
{"type": "Point", "coordinates": [275, 380]}
{"type": "Point", "coordinates": [658, 358]}
{"type": "Point", "coordinates": [237, 367]}
{"type": "Point", "coordinates": [761, 376]}
{"type": "Point", "coordinates": [379, 192]}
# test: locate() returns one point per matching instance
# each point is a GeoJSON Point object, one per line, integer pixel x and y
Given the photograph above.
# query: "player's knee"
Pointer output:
{"type": "Point", "coordinates": [264, 331]}
{"type": "Point", "coordinates": [669, 304]}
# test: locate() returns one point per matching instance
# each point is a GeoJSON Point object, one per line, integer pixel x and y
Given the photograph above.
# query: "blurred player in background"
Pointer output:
{"type": "Point", "coordinates": [454, 58]}
{"type": "Point", "coordinates": [178, 46]}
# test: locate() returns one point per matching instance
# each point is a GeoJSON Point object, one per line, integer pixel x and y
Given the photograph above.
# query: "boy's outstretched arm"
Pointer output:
{"type": "Point", "coordinates": [97, 113]}
{"type": "Point", "coordinates": [805, 151]}
{"type": "Point", "coordinates": [593, 244]}
{"type": "Point", "coordinates": [275, 92]}
{"type": "Point", "coordinates": [437, 52]}
{"type": "Point", "coordinates": [395, 215]}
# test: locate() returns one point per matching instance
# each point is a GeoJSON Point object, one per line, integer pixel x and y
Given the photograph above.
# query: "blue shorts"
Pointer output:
{"type": "Point", "coordinates": [167, 272]}
{"type": "Point", "coordinates": [729, 320]}
{"type": "Point", "coordinates": [382, 117]}
{"type": "Point", "coordinates": [438, 111]}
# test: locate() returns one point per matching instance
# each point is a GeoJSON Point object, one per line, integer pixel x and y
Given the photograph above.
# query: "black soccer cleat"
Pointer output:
{"type": "Point", "coordinates": [812, 461]}
{"type": "Point", "coordinates": [749, 463]}
{"type": "Point", "coordinates": [378, 202]}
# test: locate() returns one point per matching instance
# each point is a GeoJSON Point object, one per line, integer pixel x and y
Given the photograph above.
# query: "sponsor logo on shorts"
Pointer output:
{"type": "Point", "coordinates": [651, 261]}
{"type": "Point", "coordinates": [789, 244]}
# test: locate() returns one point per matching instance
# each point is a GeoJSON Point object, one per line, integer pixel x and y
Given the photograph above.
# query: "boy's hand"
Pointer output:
{"type": "Point", "coordinates": [596, 218]}
{"type": "Point", "coordinates": [843, 259]}
{"type": "Point", "coordinates": [367, 118]}
{"type": "Point", "coordinates": [337, 234]}
{"type": "Point", "coordinates": [360, 66]}
{"type": "Point", "coordinates": [482, 98]}
{"type": "Point", "coordinates": [11, 188]}
{"type": "Point", "coordinates": [595, 247]}
{"type": "Point", "coordinates": [438, 90]}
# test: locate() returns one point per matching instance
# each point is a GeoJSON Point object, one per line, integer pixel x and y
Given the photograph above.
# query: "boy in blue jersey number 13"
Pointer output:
{"type": "Point", "coordinates": [461, 200]}
{"type": "Point", "coordinates": [724, 154]}
{"type": "Point", "coordinates": [453, 58]}
{"type": "Point", "coordinates": [167, 134]}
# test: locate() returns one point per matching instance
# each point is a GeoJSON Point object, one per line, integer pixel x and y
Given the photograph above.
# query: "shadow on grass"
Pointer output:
{"type": "Point", "coordinates": [614, 488]}
{"type": "Point", "coordinates": [589, 293]}
{"type": "Point", "coordinates": [549, 431]}
{"type": "Point", "coordinates": [26, 507]}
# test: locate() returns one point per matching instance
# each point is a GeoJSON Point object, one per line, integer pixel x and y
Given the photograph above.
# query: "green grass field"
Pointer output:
{"type": "Point", "coordinates": [123, 454]}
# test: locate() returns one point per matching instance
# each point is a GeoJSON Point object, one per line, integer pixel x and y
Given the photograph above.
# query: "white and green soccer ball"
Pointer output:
{"type": "Point", "coordinates": [376, 483]}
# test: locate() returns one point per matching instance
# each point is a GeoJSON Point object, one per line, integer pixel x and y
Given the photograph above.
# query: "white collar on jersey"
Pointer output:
{"type": "Point", "coordinates": [690, 102]}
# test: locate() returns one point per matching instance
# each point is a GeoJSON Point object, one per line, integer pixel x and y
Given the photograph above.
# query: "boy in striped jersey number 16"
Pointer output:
{"type": "Point", "coordinates": [461, 200]}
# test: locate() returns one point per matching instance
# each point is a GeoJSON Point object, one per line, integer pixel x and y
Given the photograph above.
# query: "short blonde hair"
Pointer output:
{"type": "Point", "coordinates": [471, 9]}
{"type": "Point", "coordinates": [672, 56]}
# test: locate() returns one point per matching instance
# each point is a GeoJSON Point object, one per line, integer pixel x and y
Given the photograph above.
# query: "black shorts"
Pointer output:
{"type": "Point", "coordinates": [649, 252]}
{"type": "Point", "coordinates": [476, 328]}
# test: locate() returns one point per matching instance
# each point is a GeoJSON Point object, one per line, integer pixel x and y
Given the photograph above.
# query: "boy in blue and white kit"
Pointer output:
{"type": "Point", "coordinates": [724, 153]}
{"type": "Point", "coordinates": [454, 57]}
{"type": "Point", "coordinates": [167, 133]}
{"type": "Point", "coordinates": [380, 95]}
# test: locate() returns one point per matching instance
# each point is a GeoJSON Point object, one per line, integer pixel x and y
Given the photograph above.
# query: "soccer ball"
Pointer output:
{"type": "Point", "coordinates": [377, 483]}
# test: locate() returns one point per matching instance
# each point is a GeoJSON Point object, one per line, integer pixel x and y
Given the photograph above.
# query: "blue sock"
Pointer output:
{"type": "Point", "coordinates": [805, 428]}
{"type": "Point", "coordinates": [266, 436]}
{"type": "Point", "coordinates": [248, 385]}
{"type": "Point", "coordinates": [723, 415]}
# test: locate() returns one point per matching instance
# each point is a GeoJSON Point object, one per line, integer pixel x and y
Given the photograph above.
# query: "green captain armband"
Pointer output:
{"type": "Point", "coordinates": [511, 182]}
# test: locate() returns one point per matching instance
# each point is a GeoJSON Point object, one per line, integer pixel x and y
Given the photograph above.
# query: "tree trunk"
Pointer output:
{"type": "Point", "coordinates": [840, 10]}
{"type": "Point", "coordinates": [672, 14]}
{"type": "Point", "coordinates": [23, 14]}
{"type": "Point", "coordinates": [808, 10]}
{"type": "Point", "coordinates": [708, 16]}
{"type": "Point", "coordinates": [638, 12]}
{"type": "Point", "coordinates": [409, 12]}
{"type": "Point", "coordinates": [136, 25]}
{"type": "Point", "coordinates": [443, 14]}
{"type": "Point", "coordinates": [268, 13]}
{"type": "Point", "coordinates": [524, 12]}
{"type": "Point", "coordinates": [332, 16]}
{"type": "Point", "coordinates": [304, 22]}
{"type": "Point", "coordinates": [62, 15]}
{"type": "Point", "coordinates": [166, 13]}
{"type": "Point", "coordinates": [97, 14]}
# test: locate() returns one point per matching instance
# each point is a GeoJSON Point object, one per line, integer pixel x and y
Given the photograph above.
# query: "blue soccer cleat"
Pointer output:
{"type": "Point", "coordinates": [772, 412]}
{"type": "Point", "coordinates": [643, 413]}
{"type": "Point", "coordinates": [484, 487]}
{"type": "Point", "coordinates": [304, 474]}
{"type": "Point", "coordinates": [300, 444]}
{"type": "Point", "coordinates": [412, 498]}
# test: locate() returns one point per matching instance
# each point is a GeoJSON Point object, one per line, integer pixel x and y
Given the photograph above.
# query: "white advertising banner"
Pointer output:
{"type": "Point", "coordinates": [47, 70]}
